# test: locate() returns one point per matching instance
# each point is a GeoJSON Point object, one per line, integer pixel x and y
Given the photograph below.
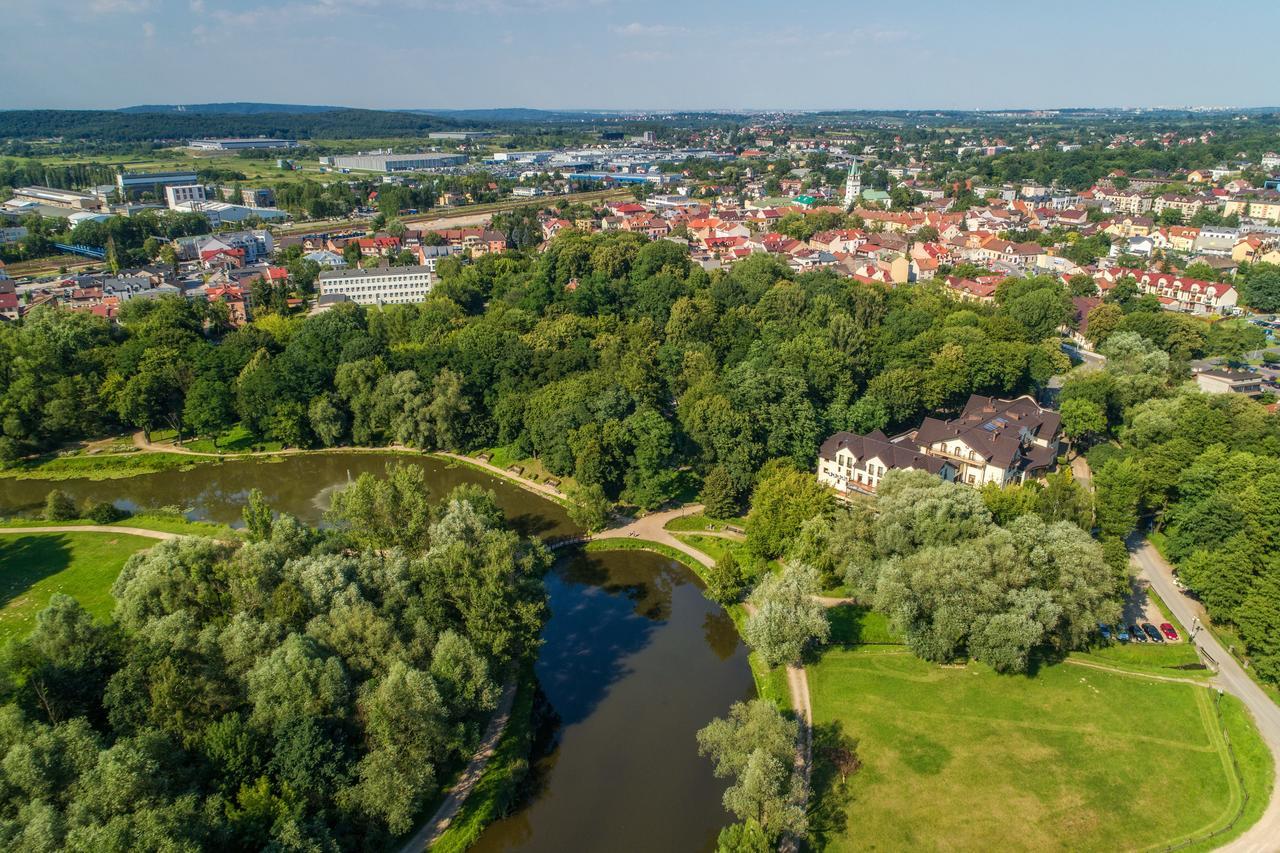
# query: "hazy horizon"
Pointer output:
{"type": "Point", "coordinates": [562, 54]}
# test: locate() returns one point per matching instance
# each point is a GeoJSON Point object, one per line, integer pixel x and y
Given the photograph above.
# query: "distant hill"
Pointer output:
{"type": "Point", "coordinates": [243, 108]}
{"type": "Point", "coordinates": [129, 127]}
{"type": "Point", "coordinates": [518, 114]}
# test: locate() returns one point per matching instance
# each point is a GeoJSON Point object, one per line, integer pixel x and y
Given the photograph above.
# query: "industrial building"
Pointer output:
{"type": "Point", "coordinates": [460, 135]}
{"type": "Point", "coordinates": [239, 144]}
{"type": "Point", "coordinates": [131, 184]}
{"type": "Point", "coordinates": [387, 162]}
{"type": "Point", "coordinates": [378, 285]}
{"type": "Point", "coordinates": [48, 196]}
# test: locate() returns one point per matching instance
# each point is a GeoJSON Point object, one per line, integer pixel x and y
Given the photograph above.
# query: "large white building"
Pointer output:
{"type": "Point", "coordinates": [132, 183]}
{"type": "Point", "coordinates": [378, 285]}
{"type": "Point", "coordinates": [240, 144]}
{"type": "Point", "coordinates": [174, 196]}
{"type": "Point", "coordinates": [387, 162]}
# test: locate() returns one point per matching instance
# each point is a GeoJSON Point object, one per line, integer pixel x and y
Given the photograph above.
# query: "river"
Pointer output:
{"type": "Point", "coordinates": [635, 659]}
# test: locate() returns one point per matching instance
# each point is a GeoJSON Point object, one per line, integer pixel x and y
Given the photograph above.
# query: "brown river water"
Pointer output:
{"type": "Point", "coordinates": [635, 659]}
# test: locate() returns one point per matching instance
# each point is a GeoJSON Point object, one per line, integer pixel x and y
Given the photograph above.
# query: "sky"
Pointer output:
{"type": "Point", "coordinates": [653, 55]}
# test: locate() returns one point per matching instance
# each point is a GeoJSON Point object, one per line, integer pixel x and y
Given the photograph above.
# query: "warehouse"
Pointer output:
{"type": "Point", "coordinates": [385, 162]}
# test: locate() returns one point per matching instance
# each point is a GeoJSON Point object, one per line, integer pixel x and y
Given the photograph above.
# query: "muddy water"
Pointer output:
{"type": "Point", "coordinates": [635, 659]}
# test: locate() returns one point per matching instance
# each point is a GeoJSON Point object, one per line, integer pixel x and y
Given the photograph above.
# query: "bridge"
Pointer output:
{"type": "Point", "coordinates": [88, 251]}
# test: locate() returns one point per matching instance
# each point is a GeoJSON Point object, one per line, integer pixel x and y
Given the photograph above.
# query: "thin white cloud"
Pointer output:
{"type": "Point", "coordinates": [113, 7]}
{"type": "Point", "coordinates": [148, 30]}
{"type": "Point", "coordinates": [636, 29]}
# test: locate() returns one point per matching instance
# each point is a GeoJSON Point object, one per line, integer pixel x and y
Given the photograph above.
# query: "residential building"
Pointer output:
{"type": "Point", "coordinates": [378, 285]}
{"type": "Point", "coordinates": [969, 290]}
{"type": "Point", "coordinates": [849, 462]}
{"type": "Point", "coordinates": [1122, 201]}
{"type": "Point", "coordinates": [1179, 293]}
{"type": "Point", "coordinates": [993, 441]}
{"type": "Point", "coordinates": [1221, 381]}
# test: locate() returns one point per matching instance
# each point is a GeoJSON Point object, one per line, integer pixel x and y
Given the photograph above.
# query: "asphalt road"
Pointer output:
{"type": "Point", "coordinates": [1264, 836]}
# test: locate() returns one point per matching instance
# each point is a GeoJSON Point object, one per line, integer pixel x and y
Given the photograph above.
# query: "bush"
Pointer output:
{"type": "Point", "coordinates": [104, 512]}
{"type": "Point", "coordinates": [58, 506]}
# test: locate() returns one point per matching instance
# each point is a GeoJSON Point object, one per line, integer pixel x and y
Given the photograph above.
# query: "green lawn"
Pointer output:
{"type": "Point", "coordinates": [960, 758]}
{"type": "Point", "coordinates": [716, 547]}
{"type": "Point", "coordinates": [146, 520]}
{"type": "Point", "coordinates": [34, 566]}
{"type": "Point", "coordinates": [699, 521]}
{"type": "Point", "coordinates": [98, 467]}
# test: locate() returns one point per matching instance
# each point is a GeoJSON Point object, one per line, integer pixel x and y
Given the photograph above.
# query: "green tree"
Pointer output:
{"type": "Point", "coordinates": [719, 497]}
{"type": "Point", "coordinates": [257, 516]}
{"type": "Point", "coordinates": [787, 618]}
{"type": "Point", "coordinates": [209, 407]}
{"type": "Point", "coordinates": [386, 512]}
{"type": "Point", "coordinates": [783, 500]}
{"type": "Point", "coordinates": [1082, 419]}
{"type": "Point", "coordinates": [755, 746]}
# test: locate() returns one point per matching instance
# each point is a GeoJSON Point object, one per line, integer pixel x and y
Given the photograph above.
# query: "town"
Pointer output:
{"type": "Point", "coordinates": [768, 432]}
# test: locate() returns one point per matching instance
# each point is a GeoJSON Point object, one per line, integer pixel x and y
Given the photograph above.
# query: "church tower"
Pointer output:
{"type": "Point", "coordinates": [852, 186]}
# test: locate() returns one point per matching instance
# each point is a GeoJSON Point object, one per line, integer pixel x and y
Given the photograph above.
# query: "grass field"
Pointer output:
{"type": "Point", "coordinates": [34, 566]}
{"type": "Point", "coordinates": [700, 521]}
{"type": "Point", "coordinates": [1072, 758]}
{"type": "Point", "coordinates": [104, 467]}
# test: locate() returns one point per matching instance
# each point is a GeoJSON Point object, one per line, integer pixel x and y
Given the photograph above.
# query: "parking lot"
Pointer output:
{"type": "Point", "coordinates": [1139, 608]}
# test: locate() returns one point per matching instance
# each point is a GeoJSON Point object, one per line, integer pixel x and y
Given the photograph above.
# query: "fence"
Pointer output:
{"type": "Point", "coordinates": [1235, 768]}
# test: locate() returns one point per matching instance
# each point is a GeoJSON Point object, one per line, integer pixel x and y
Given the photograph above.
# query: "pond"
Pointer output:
{"type": "Point", "coordinates": [635, 659]}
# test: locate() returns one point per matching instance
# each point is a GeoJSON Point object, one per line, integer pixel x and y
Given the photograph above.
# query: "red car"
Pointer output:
{"type": "Point", "coordinates": [1169, 633]}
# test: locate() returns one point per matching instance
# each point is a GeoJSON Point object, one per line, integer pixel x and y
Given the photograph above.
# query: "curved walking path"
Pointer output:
{"type": "Point", "coordinates": [429, 833]}
{"type": "Point", "coordinates": [94, 528]}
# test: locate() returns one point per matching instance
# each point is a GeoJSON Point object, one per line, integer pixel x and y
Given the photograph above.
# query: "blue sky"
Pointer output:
{"type": "Point", "coordinates": [618, 54]}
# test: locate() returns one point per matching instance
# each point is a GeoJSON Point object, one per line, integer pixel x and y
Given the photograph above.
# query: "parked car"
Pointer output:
{"type": "Point", "coordinates": [1135, 634]}
{"type": "Point", "coordinates": [1105, 630]}
{"type": "Point", "coordinates": [1170, 633]}
{"type": "Point", "coordinates": [1121, 634]}
{"type": "Point", "coordinates": [1150, 631]}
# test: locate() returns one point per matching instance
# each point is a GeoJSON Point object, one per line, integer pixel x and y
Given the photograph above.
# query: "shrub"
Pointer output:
{"type": "Point", "coordinates": [104, 512]}
{"type": "Point", "coordinates": [58, 506]}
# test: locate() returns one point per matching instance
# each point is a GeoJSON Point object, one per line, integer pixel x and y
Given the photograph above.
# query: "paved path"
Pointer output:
{"type": "Point", "coordinates": [653, 527]}
{"type": "Point", "coordinates": [522, 482]}
{"type": "Point", "coordinates": [431, 831]}
{"type": "Point", "coordinates": [94, 528]}
{"type": "Point", "coordinates": [1263, 836]}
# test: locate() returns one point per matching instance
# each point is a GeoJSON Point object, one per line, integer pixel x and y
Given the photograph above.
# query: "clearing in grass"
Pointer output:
{"type": "Point", "coordinates": [1070, 758]}
{"type": "Point", "coordinates": [34, 566]}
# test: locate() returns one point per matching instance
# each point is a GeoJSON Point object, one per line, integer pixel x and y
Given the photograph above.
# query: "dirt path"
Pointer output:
{"type": "Point", "coordinates": [431, 831]}
{"type": "Point", "coordinates": [94, 528]}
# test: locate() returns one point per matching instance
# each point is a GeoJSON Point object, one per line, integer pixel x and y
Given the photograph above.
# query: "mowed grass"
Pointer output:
{"type": "Point", "coordinates": [34, 566]}
{"type": "Point", "coordinates": [1072, 758]}
{"type": "Point", "coordinates": [99, 467]}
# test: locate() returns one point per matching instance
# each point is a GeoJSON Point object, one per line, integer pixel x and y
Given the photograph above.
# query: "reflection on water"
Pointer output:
{"type": "Point", "coordinates": [636, 660]}
{"type": "Point", "coordinates": [299, 485]}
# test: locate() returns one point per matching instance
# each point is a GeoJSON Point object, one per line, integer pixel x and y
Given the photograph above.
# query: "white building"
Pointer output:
{"type": "Point", "coordinates": [174, 196]}
{"type": "Point", "coordinates": [218, 212]}
{"type": "Point", "coordinates": [378, 285]}
{"type": "Point", "coordinates": [852, 185]}
{"type": "Point", "coordinates": [240, 144]}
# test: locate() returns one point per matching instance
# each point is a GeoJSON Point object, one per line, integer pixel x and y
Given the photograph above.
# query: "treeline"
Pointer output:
{"type": "Point", "coordinates": [306, 690]}
{"type": "Point", "coordinates": [71, 176]}
{"type": "Point", "coordinates": [121, 127]}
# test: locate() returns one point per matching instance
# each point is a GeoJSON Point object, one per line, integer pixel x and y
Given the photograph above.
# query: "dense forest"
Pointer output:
{"type": "Point", "coordinates": [305, 690]}
{"type": "Point", "coordinates": [142, 127]}
{"type": "Point", "coordinates": [617, 363]}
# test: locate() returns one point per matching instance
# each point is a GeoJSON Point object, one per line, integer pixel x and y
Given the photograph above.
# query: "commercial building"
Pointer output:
{"type": "Point", "coordinates": [993, 441]}
{"type": "Point", "coordinates": [174, 196]}
{"type": "Point", "coordinates": [387, 162]}
{"type": "Point", "coordinates": [67, 199]}
{"type": "Point", "coordinates": [377, 285]}
{"type": "Point", "coordinates": [218, 212]}
{"type": "Point", "coordinates": [240, 144]}
{"type": "Point", "coordinates": [460, 135]}
{"type": "Point", "coordinates": [131, 184]}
